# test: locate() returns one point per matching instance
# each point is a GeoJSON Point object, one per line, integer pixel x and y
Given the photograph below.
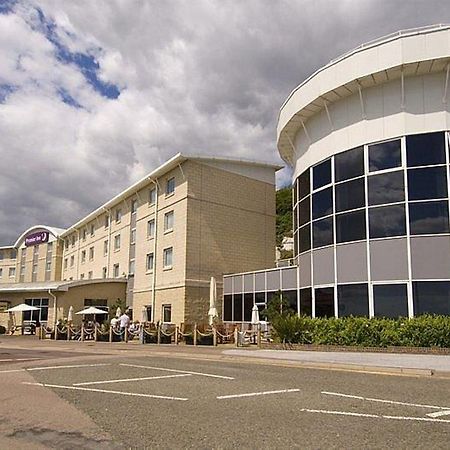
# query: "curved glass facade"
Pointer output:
{"type": "Point", "coordinates": [371, 229]}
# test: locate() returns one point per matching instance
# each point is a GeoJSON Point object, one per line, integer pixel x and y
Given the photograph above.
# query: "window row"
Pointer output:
{"type": "Point", "coordinates": [11, 272]}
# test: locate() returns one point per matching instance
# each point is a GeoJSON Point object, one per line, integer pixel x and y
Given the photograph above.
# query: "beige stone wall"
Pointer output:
{"type": "Point", "coordinates": [5, 263]}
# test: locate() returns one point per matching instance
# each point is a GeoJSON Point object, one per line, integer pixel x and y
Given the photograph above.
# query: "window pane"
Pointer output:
{"type": "Point", "coordinates": [428, 217]}
{"type": "Point", "coordinates": [322, 203]}
{"type": "Point", "coordinates": [427, 183]}
{"type": "Point", "coordinates": [353, 300]}
{"type": "Point", "coordinates": [351, 226]}
{"type": "Point", "coordinates": [349, 164]}
{"type": "Point", "coordinates": [390, 300]}
{"type": "Point", "coordinates": [385, 155]}
{"type": "Point", "coordinates": [305, 238]}
{"type": "Point", "coordinates": [237, 307]}
{"type": "Point", "coordinates": [306, 302]}
{"type": "Point", "coordinates": [303, 184]}
{"type": "Point", "coordinates": [260, 297]}
{"type": "Point", "coordinates": [248, 305]}
{"type": "Point", "coordinates": [291, 298]}
{"type": "Point", "coordinates": [431, 297]}
{"type": "Point", "coordinates": [323, 232]}
{"type": "Point", "coordinates": [387, 221]}
{"type": "Point", "coordinates": [324, 302]}
{"type": "Point", "coordinates": [322, 174]}
{"type": "Point", "coordinates": [386, 188]}
{"type": "Point", "coordinates": [304, 211]}
{"type": "Point", "coordinates": [227, 299]}
{"type": "Point", "coordinates": [425, 149]}
{"type": "Point", "coordinates": [295, 218]}
{"type": "Point", "coordinates": [294, 194]}
{"type": "Point", "coordinates": [350, 195]}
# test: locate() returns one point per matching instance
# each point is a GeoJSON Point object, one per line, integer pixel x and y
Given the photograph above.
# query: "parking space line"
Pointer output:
{"type": "Point", "coordinates": [255, 394]}
{"type": "Point", "coordinates": [18, 359]}
{"type": "Point", "coordinates": [75, 366]}
{"type": "Point", "coordinates": [445, 412]}
{"type": "Point", "coordinates": [104, 391]}
{"type": "Point", "coordinates": [123, 380]}
{"type": "Point", "coordinates": [180, 371]}
{"type": "Point", "coordinates": [379, 400]}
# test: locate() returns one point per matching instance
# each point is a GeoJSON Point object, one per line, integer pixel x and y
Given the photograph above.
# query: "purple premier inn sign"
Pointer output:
{"type": "Point", "coordinates": [36, 238]}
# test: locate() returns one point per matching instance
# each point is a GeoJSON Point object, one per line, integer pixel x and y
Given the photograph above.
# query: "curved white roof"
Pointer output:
{"type": "Point", "coordinates": [52, 230]}
{"type": "Point", "coordinates": [411, 52]}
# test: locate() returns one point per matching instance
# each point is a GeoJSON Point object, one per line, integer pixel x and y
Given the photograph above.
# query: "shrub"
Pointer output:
{"type": "Point", "coordinates": [2, 329]}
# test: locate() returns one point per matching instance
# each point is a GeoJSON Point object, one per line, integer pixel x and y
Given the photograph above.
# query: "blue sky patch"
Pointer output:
{"type": "Point", "coordinates": [6, 6]}
{"type": "Point", "coordinates": [67, 98]}
{"type": "Point", "coordinates": [5, 91]}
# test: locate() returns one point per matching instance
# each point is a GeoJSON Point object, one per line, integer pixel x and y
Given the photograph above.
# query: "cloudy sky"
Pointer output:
{"type": "Point", "coordinates": [94, 94]}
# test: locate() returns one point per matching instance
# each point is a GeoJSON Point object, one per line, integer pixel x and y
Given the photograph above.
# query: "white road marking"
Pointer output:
{"type": "Point", "coordinates": [123, 380]}
{"type": "Point", "coordinates": [180, 371]}
{"type": "Point", "coordinates": [379, 400]}
{"type": "Point", "coordinates": [374, 416]}
{"type": "Point", "coordinates": [75, 366]}
{"type": "Point", "coordinates": [132, 394]}
{"type": "Point", "coordinates": [445, 412]}
{"type": "Point", "coordinates": [255, 394]}
{"type": "Point", "coordinates": [18, 359]}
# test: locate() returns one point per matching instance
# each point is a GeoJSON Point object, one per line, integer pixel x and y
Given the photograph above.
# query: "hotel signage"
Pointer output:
{"type": "Point", "coordinates": [36, 238]}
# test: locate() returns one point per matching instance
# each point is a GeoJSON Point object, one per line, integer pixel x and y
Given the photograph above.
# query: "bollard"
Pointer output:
{"type": "Point", "coordinates": [126, 334]}
{"type": "Point", "coordinates": [141, 334]}
{"type": "Point", "coordinates": [68, 332]}
{"type": "Point", "coordinates": [236, 337]}
{"type": "Point", "coordinates": [158, 334]}
{"type": "Point", "coordinates": [258, 335]}
{"type": "Point", "coordinates": [176, 335]}
{"type": "Point", "coordinates": [214, 336]}
{"type": "Point", "coordinates": [110, 334]}
{"type": "Point", "coordinates": [82, 332]}
{"type": "Point", "coordinates": [195, 334]}
{"type": "Point", "coordinates": [95, 332]}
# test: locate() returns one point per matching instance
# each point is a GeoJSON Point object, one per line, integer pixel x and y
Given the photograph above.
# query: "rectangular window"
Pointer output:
{"type": "Point", "coordinates": [118, 215]}
{"type": "Point", "coordinates": [351, 226]}
{"type": "Point", "coordinates": [167, 313]}
{"type": "Point", "coordinates": [168, 257]}
{"type": "Point", "coordinates": [350, 195]}
{"type": "Point", "coordinates": [248, 305]}
{"type": "Point", "coordinates": [303, 185]}
{"type": "Point", "coordinates": [170, 186]}
{"type": "Point", "coordinates": [131, 267]}
{"type": "Point", "coordinates": [22, 271]}
{"type": "Point", "coordinates": [323, 232]}
{"type": "Point", "coordinates": [133, 206]}
{"type": "Point", "coordinates": [227, 308]}
{"type": "Point", "coordinates": [41, 315]}
{"type": "Point", "coordinates": [322, 203]}
{"type": "Point", "coordinates": [152, 196]}
{"type": "Point", "coordinates": [12, 272]}
{"type": "Point", "coordinates": [151, 228]}
{"type": "Point", "coordinates": [353, 300]}
{"type": "Point", "coordinates": [133, 236]}
{"type": "Point", "coordinates": [36, 249]}
{"type": "Point", "coordinates": [428, 217]}
{"type": "Point", "coordinates": [117, 242]}
{"type": "Point", "coordinates": [82, 276]}
{"type": "Point", "coordinates": [91, 253]}
{"type": "Point", "coordinates": [65, 263]}
{"type": "Point", "coordinates": [104, 272]}
{"type": "Point", "coordinates": [49, 247]}
{"type": "Point", "coordinates": [390, 300]}
{"type": "Point", "coordinates": [428, 183]}
{"type": "Point", "coordinates": [34, 268]}
{"type": "Point", "coordinates": [48, 266]}
{"type": "Point", "coordinates": [150, 261]}
{"type": "Point", "coordinates": [92, 230]}
{"type": "Point", "coordinates": [324, 299]}
{"type": "Point", "coordinates": [237, 307]}
{"type": "Point", "coordinates": [431, 297]}
{"type": "Point", "coordinates": [322, 174]}
{"type": "Point", "coordinates": [386, 188]}
{"type": "Point", "coordinates": [385, 155]}
{"type": "Point", "coordinates": [116, 270]}
{"type": "Point", "coordinates": [84, 234]}
{"type": "Point", "coordinates": [107, 221]}
{"type": "Point", "coordinates": [305, 238]}
{"type": "Point", "coordinates": [105, 247]}
{"type": "Point", "coordinates": [72, 241]}
{"type": "Point", "coordinates": [304, 211]}
{"type": "Point", "coordinates": [386, 221]}
{"type": "Point", "coordinates": [306, 302]}
{"type": "Point", "coordinates": [168, 221]}
{"type": "Point", "coordinates": [72, 261]}
{"type": "Point", "coordinates": [425, 149]}
{"type": "Point", "coordinates": [83, 256]}
{"type": "Point", "coordinates": [90, 275]}
{"type": "Point", "coordinates": [349, 164]}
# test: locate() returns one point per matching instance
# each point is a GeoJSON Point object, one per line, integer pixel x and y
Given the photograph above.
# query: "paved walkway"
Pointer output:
{"type": "Point", "coordinates": [401, 362]}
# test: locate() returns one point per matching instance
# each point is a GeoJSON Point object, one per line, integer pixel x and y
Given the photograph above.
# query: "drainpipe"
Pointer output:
{"type": "Point", "coordinates": [154, 253]}
{"type": "Point", "coordinates": [55, 304]}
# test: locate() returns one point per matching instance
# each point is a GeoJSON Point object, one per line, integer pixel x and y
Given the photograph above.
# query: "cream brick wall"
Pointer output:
{"type": "Point", "coordinates": [5, 263]}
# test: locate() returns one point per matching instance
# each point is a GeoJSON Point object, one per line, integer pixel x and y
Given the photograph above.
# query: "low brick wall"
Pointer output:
{"type": "Point", "coordinates": [343, 348]}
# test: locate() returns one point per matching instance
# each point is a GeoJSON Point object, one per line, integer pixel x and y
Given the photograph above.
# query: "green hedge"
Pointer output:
{"type": "Point", "coordinates": [421, 331]}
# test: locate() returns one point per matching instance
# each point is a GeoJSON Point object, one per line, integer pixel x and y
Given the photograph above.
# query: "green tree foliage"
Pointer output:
{"type": "Point", "coordinates": [284, 213]}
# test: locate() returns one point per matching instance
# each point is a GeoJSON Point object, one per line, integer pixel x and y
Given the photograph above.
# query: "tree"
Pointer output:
{"type": "Point", "coordinates": [284, 214]}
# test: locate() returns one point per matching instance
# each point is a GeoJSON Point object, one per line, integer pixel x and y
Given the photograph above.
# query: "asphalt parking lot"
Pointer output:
{"type": "Point", "coordinates": [171, 402]}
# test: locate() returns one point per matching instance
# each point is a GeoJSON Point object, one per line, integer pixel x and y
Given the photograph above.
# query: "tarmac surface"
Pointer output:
{"type": "Point", "coordinates": [97, 395]}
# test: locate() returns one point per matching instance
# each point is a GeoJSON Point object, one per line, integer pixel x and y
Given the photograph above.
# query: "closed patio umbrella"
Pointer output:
{"type": "Point", "coordinates": [255, 315]}
{"type": "Point", "coordinates": [118, 312]}
{"type": "Point", "coordinates": [212, 313]}
{"type": "Point", "coordinates": [70, 315]}
{"type": "Point", "coordinates": [144, 317]}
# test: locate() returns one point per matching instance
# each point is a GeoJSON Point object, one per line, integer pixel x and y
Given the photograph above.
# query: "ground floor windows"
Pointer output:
{"type": "Point", "coordinates": [306, 302]}
{"type": "Point", "coordinates": [390, 300]}
{"type": "Point", "coordinates": [40, 315]}
{"type": "Point", "coordinates": [353, 300]}
{"type": "Point", "coordinates": [167, 313]}
{"type": "Point", "coordinates": [431, 297]}
{"type": "Point", "coordinates": [324, 302]}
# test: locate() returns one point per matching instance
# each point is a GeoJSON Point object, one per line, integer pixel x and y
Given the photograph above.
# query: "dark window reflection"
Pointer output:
{"type": "Point", "coordinates": [237, 307]}
{"type": "Point", "coordinates": [227, 308]}
{"type": "Point", "coordinates": [351, 226]}
{"type": "Point", "coordinates": [306, 302]}
{"type": "Point", "coordinates": [386, 188]}
{"type": "Point", "coordinates": [387, 221]}
{"type": "Point", "coordinates": [350, 195]}
{"type": "Point", "coordinates": [295, 217]}
{"type": "Point", "coordinates": [295, 244]}
{"type": "Point", "coordinates": [294, 193]}
{"type": "Point", "coordinates": [324, 299]}
{"type": "Point", "coordinates": [322, 203]}
{"type": "Point", "coordinates": [305, 238]}
{"type": "Point", "coordinates": [303, 184]}
{"type": "Point", "coordinates": [390, 300]}
{"type": "Point", "coordinates": [431, 297]}
{"type": "Point", "coordinates": [322, 174]}
{"type": "Point", "coordinates": [385, 155]}
{"type": "Point", "coordinates": [428, 217]}
{"type": "Point", "coordinates": [425, 149]}
{"type": "Point", "coordinates": [291, 298]}
{"type": "Point", "coordinates": [323, 232]}
{"type": "Point", "coordinates": [349, 164]}
{"type": "Point", "coordinates": [304, 211]}
{"type": "Point", "coordinates": [248, 305]}
{"type": "Point", "coordinates": [353, 300]}
{"type": "Point", "coordinates": [427, 183]}
{"type": "Point", "coordinates": [260, 297]}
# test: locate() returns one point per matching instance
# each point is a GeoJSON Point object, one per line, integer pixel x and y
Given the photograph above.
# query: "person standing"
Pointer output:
{"type": "Point", "coordinates": [124, 323]}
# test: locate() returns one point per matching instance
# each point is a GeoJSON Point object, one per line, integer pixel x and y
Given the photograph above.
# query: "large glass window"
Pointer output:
{"type": "Point", "coordinates": [353, 300]}
{"type": "Point", "coordinates": [428, 217]}
{"type": "Point", "coordinates": [386, 188]}
{"type": "Point", "coordinates": [323, 232]}
{"type": "Point", "coordinates": [425, 149]}
{"type": "Point", "coordinates": [322, 174]}
{"type": "Point", "coordinates": [305, 238]}
{"type": "Point", "coordinates": [304, 211]}
{"type": "Point", "coordinates": [294, 193]}
{"type": "Point", "coordinates": [227, 308]}
{"type": "Point", "coordinates": [40, 315]}
{"type": "Point", "coordinates": [351, 226]}
{"type": "Point", "coordinates": [306, 302]}
{"type": "Point", "coordinates": [431, 297]}
{"type": "Point", "coordinates": [350, 195]}
{"type": "Point", "coordinates": [387, 221]}
{"type": "Point", "coordinates": [349, 164]}
{"type": "Point", "coordinates": [390, 300]}
{"type": "Point", "coordinates": [237, 307]}
{"type": "Point", "coordinates": [427, 183]}
{"type": "Point", "coordinates": [385, 155]}
{"type": "Point", "coordinates": [291, 298]}
{"type": "Point", "coordinates": [295, 218]}
{"type": "Point", "coordinates": [322, 203]}
{"type": "Point", "coordinates": [324, 299]}
{"type": "Point", "coordinates": [248, 305]}
{"type": "Point", "coordinates": [303, 185]}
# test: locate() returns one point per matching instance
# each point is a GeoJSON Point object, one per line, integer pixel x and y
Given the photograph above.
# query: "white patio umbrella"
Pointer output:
{"type": "Point", "coordinates": [91, 310]}
{"type": "Point", "coordinates": [70, 315]}
{"type": "Point", "coordinates": [118, 312]}
{"type": "Point", "coordinates": [22, 307]}
{"type": "Point", "coordinates": [212, 313]}
{"type": "Point", "coordinates": [255, 315]}
{"type": "Point", "coordinates": [144, 317]}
